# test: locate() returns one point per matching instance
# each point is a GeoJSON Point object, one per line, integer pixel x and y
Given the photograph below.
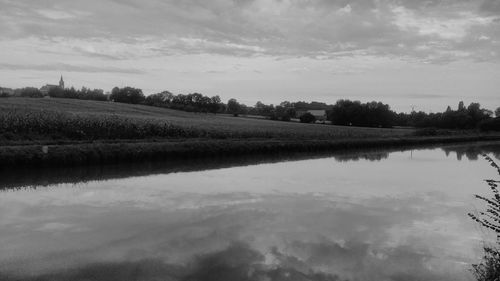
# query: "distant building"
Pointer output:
{"type": "Point", "coordinates": [45, 89]}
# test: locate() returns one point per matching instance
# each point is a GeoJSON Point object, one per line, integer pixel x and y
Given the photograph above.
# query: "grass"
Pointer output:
{"type": "Point", "coordinates": [66, 131]}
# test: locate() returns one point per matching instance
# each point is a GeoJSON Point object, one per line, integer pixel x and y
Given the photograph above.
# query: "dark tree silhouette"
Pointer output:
{"type": "Point", "coordinates": [30, 92]}
{"type": "Point", "coordinates": [127, 95]}
{"type": "Point", "coordinates": [355, 113]}
{"type": "Point", "coordinates": [233, 107]}
{"type": "Point", "coordinates": [83, 94]}
{"type": "Point", "coordinates": [307, 118]}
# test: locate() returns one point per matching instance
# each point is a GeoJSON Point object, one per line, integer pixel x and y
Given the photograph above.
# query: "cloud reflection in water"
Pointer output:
{"type": "Point", "coordinates": [338, 221]}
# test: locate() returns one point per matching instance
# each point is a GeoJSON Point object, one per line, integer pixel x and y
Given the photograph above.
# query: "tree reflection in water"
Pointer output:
{"type": "Point", "coordinates": [36, 177]}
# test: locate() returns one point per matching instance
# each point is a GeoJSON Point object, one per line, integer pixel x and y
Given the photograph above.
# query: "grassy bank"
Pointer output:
{"type": "Point", "coordinates": [105, 153]}
{"type": "Point", "coordinates": [29, 177]}
{"type": "Point", "coordinates": [47, 132]}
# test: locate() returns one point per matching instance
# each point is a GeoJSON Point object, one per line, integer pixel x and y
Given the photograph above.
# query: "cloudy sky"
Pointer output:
{"type": "Point", "coordinates": [425, 54]}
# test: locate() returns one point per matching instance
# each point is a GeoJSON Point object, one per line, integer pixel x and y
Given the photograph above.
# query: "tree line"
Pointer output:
{"type": "Point", "coordinates": [344, 112]}
{"type": "Point", "coordinates": [57, 92]}
{"type": "Point", "coordinates": [82, 94]}
{"type": "Point", "coordinates": [376, 114]}
{"type": "Point", "coordinates": [194, 102]}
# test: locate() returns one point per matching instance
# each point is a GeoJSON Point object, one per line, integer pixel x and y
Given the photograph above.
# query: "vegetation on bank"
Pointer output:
{"type": "Point", "coordinates": [489, 267]}
{"type": "Point", "coordinates": [118, 152]}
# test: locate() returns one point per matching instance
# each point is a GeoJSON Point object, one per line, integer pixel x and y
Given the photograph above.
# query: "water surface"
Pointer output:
{"type": "Point", "coordinates": [386, 215]}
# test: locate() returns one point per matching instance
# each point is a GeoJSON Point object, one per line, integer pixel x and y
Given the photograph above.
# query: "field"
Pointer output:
{"type": "Point", "coordinates": [64, 132]}
{"type": "Point", "coordinates": [24, 119]}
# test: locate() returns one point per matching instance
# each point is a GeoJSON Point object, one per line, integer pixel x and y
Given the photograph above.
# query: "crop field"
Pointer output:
{"type": "Point", "coordinates": [28, 119]}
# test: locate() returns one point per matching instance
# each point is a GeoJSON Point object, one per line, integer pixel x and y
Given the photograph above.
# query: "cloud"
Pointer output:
{"type": "Point", "coordinates": [361, 238]}
{"type": "Point", "coordinates": [58, 14]}
{"type": "Point", "coordinates": [238, 261]}
{"type": "Point", "coordinates": [445, 28]}
{"type": "Point", "coordinates": [274, 28]}
{"type": "Point", "coordinates": [69, 68]}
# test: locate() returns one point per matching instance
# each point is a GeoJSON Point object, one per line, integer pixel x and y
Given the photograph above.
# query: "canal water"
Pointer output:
{"type": "Point", "coordinates": [382, 215]}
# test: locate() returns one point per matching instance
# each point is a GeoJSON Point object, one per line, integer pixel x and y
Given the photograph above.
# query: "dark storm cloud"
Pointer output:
{"type": "Point", "coordinates": [434, 30]}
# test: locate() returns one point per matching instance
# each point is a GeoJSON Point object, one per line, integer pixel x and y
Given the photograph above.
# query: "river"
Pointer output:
{"type": "Point", "coordinates": [380, 215]}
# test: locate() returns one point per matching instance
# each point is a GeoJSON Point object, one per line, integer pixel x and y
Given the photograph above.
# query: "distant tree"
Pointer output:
{"type": "Point", "coordinates": [345, 112]}
{"type": "Point", "coordinates": [492, 124]}
{"type": "Point", "coordinates": [476, 114]}
{"type": "Point", "coordinates": [244, 109]}
{"type": "Point", "coordinates": [264, 110]}
{"type": "Point", "coordinates": [233, 107]}
{"type": "Point", "coordinates": [371, 114]}
{"type": "Point", "coordinates": [291, 112]}
{"type": "Point", "coordinates": [285, 111]}
{"type": "Point", "coordinates": [127, 95]}
{"type": "Point", "coordinates": [497, 112]}
{"type": "Point", "coordinates": [88, 94]}
{"type": "Point", "coordinates": [194, 102]}
{"type": "Point", "coordinates": [470, 117]}
{"type": "Point", "coordinates": [215, 104]}
{"type": "Point", "coordinates": [73, 93]}
{"type": "Point", "coordinates": [56, 92]}
{"type": "Point", "coordinates": [29, 92]}
{"type": "Point", "coordinates": [286, 104]}
{"type": "Point", "coordinates": [461, 106]}
{"type": "Point", "coordinates": [163, 99]}
{"type": "Point", "coordinates": [114, 92]}
{"type": "Point", "coordinates": [307, 118]}
{"type": "Point", "coordinates": [302, 105]}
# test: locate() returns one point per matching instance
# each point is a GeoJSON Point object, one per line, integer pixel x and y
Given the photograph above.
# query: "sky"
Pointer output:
{"type": "Point", "coordinates": [411, 54]}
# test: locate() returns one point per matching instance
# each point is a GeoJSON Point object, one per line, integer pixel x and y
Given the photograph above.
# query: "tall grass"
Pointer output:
{"type": "Point", "coordinates": [489, 267]}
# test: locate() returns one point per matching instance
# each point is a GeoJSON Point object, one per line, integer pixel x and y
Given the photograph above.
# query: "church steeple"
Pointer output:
{"type": "Point", "coordinates": [61, 83]}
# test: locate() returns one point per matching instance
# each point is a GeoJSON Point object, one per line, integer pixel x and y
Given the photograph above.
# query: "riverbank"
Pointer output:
{"type": "Point", "coordinates": [43, 176]}
{"type": "Point", "coordinates": [110, 153]}
{"type": "Point", "coordinates": [62, 132]}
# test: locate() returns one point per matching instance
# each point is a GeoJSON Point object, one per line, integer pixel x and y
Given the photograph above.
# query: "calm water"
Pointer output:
{"type": "Point", "coordinates": [387, 215]}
